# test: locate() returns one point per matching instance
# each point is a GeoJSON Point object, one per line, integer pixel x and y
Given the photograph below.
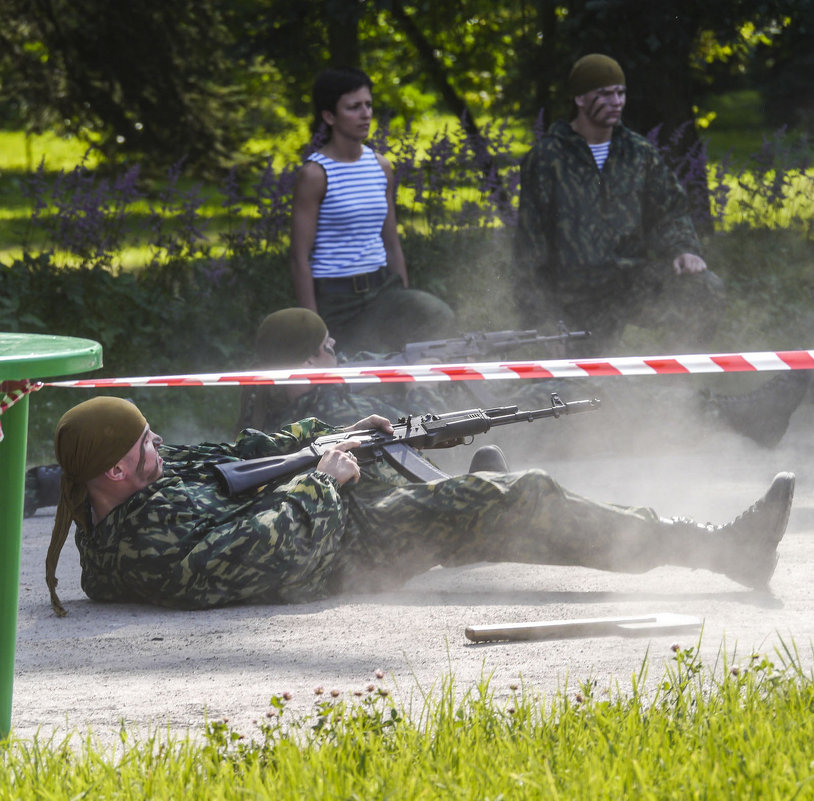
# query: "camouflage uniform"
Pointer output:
{"type": "Point", "coordinates": [180, 542]}
{"type": "Point", "coordinates": [599, 245]}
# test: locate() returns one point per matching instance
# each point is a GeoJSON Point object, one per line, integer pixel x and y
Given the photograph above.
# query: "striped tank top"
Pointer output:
{"type": "Point", "coordinates": [349, 227]}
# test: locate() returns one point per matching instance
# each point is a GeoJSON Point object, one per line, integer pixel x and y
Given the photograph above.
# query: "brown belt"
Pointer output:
{"type": "Point", "coordinates": [352, 285]}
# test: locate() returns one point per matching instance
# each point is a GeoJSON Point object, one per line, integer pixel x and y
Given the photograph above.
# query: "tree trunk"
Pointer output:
{"type": "Point", "coordinates": [343, 33]}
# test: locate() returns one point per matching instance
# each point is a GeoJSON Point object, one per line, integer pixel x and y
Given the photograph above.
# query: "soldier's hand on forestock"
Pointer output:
{"type": "Point", "coordinates": [688, 263]}
{"type": "Point", "coordinates": [372, 421]}
{"type": "Point", "coordinates": [339, 462]}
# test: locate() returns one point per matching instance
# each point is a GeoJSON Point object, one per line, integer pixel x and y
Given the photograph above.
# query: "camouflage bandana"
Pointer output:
{"type": "Point", "coordinates": [90, 438]}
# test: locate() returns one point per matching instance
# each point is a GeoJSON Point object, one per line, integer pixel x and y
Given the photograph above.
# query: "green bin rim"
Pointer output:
{"type": "Point", "coordinates": [41, 355]}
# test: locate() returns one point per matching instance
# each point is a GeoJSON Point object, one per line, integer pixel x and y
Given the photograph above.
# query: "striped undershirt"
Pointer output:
{"type": "Point", "coordinates": [349, 227]}
{"type": "Point", "coordinates": [600, 153]}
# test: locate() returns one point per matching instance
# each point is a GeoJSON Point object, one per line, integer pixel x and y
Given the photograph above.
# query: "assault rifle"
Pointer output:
{"type": "Point", "coordinates": [397, 449]}
{"type": "Point", "coordinates": [469, 347]}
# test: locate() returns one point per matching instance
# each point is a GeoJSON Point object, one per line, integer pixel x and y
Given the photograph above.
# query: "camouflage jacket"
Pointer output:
{"type": "Point", "coordinates": [577, 225]}
{"type": "Point", "coordinates": [181, 542]}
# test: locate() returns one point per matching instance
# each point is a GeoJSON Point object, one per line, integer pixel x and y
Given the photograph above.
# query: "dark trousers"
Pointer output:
{"type": "Point", "coordinates": [683, 309]}
{"type": "Point", "coordinates": [384, 317]}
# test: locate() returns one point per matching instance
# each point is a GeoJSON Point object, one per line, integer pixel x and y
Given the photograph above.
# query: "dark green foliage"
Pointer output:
{"type": "Point", "coordinates": [170, 78]}
{"type": "Point", "coordinates": [152, 76]}
{"type": "Point", "coordinates": [180, 317]}
{"type": "Point", "coordinates": [88, 302]}
{"type": "Point", "coordinates": [783, 70]}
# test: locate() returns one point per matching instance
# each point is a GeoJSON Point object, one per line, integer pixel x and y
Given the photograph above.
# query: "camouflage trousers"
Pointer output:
{"type": "Point", "coordinates": [685, 308]}
{"type": "Point", "coordinates": [516, 517]}
{"type": "Point", "coordinates": [388, 315]}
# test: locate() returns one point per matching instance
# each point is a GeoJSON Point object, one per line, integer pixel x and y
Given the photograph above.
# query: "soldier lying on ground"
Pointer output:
{"type": "Point", "coordinates": [154, 526]}
{"type": "Point", "coordinates": [298, 338]}
{"type": "Point", "coordinates": [293, 338]}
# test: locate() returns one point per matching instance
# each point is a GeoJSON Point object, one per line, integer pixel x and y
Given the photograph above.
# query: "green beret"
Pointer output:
{"type": "Point", "coordinates": [593, 72]}
{"type": "Point", "coordinates": [289, 337]}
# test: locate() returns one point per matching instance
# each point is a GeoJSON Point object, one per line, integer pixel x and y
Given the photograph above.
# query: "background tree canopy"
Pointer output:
{"type": "Point", "coordinates": [197, 78]}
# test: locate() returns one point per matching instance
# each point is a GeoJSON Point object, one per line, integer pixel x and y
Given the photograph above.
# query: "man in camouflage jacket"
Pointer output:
{"type": "Point", "coordinates": [604, 228]}
{"type": "Point", "coordinates": [154, 525]}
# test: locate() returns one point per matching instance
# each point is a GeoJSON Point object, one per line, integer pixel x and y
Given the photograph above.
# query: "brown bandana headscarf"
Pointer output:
{"type": "Point", "coordinates": [90, 439]}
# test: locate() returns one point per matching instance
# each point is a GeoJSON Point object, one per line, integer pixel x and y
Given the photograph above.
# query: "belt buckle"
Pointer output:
{"type": "Point", "coordinates": [361, 283]}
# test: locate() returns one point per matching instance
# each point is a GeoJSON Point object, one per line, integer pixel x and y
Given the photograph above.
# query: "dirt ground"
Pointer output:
{"type": "Point", "coordinates": [153, 669]}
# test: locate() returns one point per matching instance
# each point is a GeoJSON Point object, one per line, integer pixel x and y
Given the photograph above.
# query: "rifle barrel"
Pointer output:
{"type": "Point", "coordinates": [556, 409]}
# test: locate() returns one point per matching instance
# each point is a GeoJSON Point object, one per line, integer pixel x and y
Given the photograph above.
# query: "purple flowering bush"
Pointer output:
{"type": "Point", "coordinates": [216, 257]}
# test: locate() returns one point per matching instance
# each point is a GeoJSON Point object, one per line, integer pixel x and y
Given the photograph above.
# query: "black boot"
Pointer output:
{"type": "Point", "coordinates": [763, 415]}
{"type": "Point", "coordinates": [41, 488]}
{"type": "Point", "coordinates": [489, 458]}
{"type": "Point", "coordinates": [745, 550]}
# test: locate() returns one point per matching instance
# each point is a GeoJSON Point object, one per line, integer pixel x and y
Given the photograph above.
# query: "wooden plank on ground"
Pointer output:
{"type": "Point", "coordinates": [661, 623]}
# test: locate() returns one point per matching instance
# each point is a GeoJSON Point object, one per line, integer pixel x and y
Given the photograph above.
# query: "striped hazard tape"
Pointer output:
{"type": "Point", "coordinates": [485, 371]}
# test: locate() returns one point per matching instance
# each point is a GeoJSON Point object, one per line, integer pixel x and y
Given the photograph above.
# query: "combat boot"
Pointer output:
{"type": "Point", "coordinates": [488, 458]}
{"type": "Point", "coordinates": [745, 550]}
{"type": "Point", "coordinates": [763, 415]}
{"type": "Point", "coordinates": [41, 488]}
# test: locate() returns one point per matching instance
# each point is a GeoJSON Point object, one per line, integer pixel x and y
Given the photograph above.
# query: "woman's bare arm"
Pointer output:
{"type": "Point", "coordinates": [309, 191]}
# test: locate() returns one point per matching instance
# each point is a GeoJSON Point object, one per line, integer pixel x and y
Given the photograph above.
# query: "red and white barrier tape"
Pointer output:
{"type": "Point", "coordinates": [486, 371]}
{"type": "Point", "coordinates": [13, 391]}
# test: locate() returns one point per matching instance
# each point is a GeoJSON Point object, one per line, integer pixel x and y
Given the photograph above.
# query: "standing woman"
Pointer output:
{"type": "Point", "coordinates": [346, 259]}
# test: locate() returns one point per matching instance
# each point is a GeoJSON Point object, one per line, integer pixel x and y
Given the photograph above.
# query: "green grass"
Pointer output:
{"type": "Point", "coordinates": [731, 731]}
{"type": "Point", "coordinates": [20, 154]}
{"type": "Point", "coordinates": [732, 124]}
{"type": "Point", "coordinates": [24, 153]}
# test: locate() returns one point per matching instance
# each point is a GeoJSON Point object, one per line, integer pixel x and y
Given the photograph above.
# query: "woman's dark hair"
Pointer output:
{"type": "Point", "coordinates": [331, 84]}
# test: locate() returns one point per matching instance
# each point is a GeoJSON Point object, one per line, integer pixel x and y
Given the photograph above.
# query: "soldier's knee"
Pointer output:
{"type": "Point", "coordinates": [533, 483]}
